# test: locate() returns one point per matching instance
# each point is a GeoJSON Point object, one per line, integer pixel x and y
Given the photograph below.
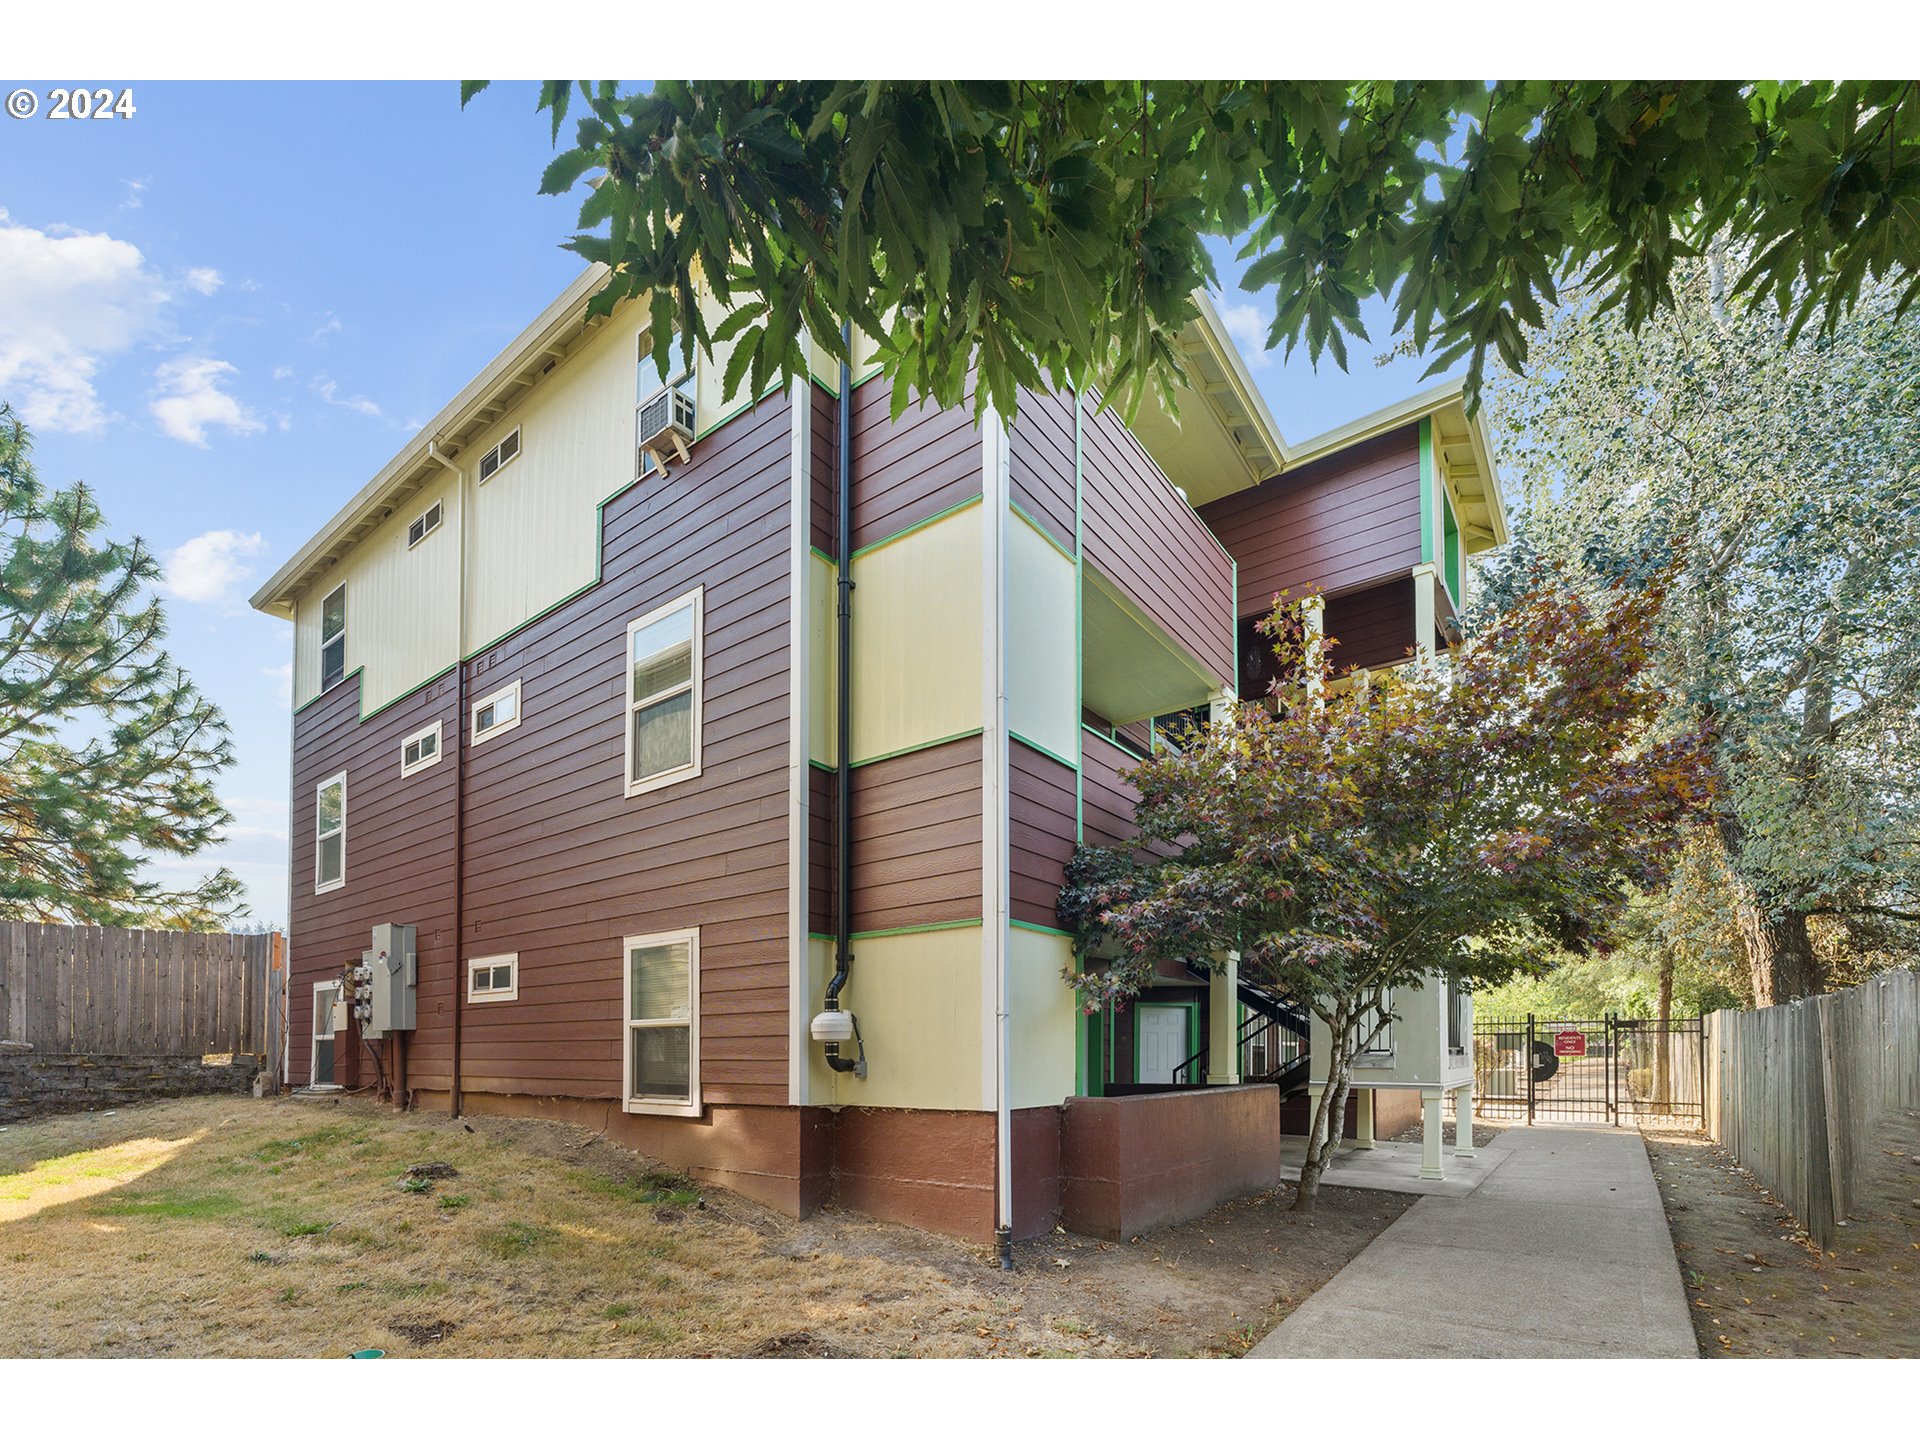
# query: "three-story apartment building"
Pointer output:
{"type": "Point", "coordinates": [583, 716]}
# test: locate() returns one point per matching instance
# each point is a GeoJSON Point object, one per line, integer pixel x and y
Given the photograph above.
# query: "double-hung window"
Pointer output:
{"type": "Point", "coordinates": [330, 835]}
{"type": "Point", "coordinates": [333, 638]}
{"type": "Point", "coordinates": [663, 695]}
{"type": "Point", "coordinates": [661, 1054]}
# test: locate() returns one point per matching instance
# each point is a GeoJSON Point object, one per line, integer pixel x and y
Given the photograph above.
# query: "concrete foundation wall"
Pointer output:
{"type": "Point", "coordinates": [32, 1083]}
{"type": "Point", "coordinates": [1135, 1163]}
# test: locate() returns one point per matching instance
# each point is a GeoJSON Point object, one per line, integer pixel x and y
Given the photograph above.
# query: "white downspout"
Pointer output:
{"type": "Point", "coordinates": [995, 846]}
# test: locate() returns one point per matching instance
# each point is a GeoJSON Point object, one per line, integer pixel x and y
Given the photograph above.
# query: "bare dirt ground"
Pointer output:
{"type": "Point", "coordinates": [1758, 1286]}
{"type": "Point", "coordinates": [282, 1227]}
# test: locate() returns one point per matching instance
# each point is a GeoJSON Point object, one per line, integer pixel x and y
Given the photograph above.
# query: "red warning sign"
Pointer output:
{"type": "Point", "coordinates": [1569, 1042]}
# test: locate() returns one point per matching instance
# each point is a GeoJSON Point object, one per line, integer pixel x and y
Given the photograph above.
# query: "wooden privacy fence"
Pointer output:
{"type": "Point", "coordinates": [1804, 1094]}
{"type": "Point", "coordinates": [85, 990]}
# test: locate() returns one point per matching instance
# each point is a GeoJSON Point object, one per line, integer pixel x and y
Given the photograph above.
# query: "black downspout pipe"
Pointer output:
{"type": "Point", "coordinates": [843, 717]}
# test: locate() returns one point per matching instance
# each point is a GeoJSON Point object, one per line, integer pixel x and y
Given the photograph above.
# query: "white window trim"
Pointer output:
{"type": "Point", "coordinates": [341, 781]}
{"type": "Point", "coordinates": [475, 734]}
{"type": "Point", "coordinates": [436, 505]}
{"type": "Point", "coordinates": [697, 599]}
{"type": "Point", "coordinates": [512, 992]}
{"type": "Point", "coordinates": [331, 987]}
{"type": "Point", "coordinates": [439, 748]}
{"type": "Point", "coordinates": [493, 449]}
{"type": "Point", "coordinates": [628, 1024]}
{"type": "Point", "coordinates": [321, 654]}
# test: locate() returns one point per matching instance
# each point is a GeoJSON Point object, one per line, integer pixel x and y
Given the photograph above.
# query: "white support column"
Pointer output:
{"type": "Point", "coordinates": [1426, 613]}
{"type": "Point", "coordinates": [1313, 617]}
{"type": "Point", "coordinates": [1223, 1022]}
{"type": "Point", "coordinates": [1431, 1165]}
{"type": "Point", "coordinates": [1463, 1121]}
{"type": "Point", "coordinates": [1363, 1120]}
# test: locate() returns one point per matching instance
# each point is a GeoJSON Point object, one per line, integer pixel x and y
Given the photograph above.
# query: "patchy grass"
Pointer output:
{"type": "Point", "coordinates": [280, 1228]}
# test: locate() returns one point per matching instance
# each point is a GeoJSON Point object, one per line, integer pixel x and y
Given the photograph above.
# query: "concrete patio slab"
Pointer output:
{"type": "Point", "coordinates": [1394, 1165]}
{"type": "Point", "coordinates": [1561, 1250]}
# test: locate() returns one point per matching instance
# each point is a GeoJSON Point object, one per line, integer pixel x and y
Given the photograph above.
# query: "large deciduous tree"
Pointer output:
{"type": "Point", "coordinates": [107, 751]}
{"type": "Point", "coordinates": [1785, 474]}
{"type": "Point", "coordinates": [1058, 228]}
{"type": "Point", "coordinates": [1354, 839]}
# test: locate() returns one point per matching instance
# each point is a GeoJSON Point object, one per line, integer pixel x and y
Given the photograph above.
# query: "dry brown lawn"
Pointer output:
{"type": "Point", "coordinates": [289, 1228]}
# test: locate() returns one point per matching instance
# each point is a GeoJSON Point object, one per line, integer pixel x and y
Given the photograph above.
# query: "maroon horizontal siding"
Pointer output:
{"type": "Point", "coordinates": [825, 479]}
{"type": "Point", "coordinates": [1040, 824]}
{"type": "Point", "coordinates": [820, 851]}
{"type": "Point", "coordinates": [1139, 533]}
{"type": "Point", "coordinates": [1040, 462]}
{"type": "Point", "coordinates": [560, 863]}
{"type": "Point", "coordinates": [1340, 523]}
{"type": "Point", "coordinates": [917, 836]}
{"type": "Point", "coordinates": [1106, 799]}
{"type": "Point", "coordinates": [1374, 626]}
{"type": "Point", "coordinates": [398, 868]}
{"type": "Point", "coordinates": [909, 470]}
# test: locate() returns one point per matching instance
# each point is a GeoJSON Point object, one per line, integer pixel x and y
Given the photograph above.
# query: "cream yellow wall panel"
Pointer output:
{"type": "Point", "coordinates": [1043, 1017]}
{"type": "Point", "coordinates": [917, 998]}
{"type": "Point", "coordinates": [1042, 700]}
{"type": "Point", "coordinates": [916, 637]}
{"type": "Point", "coordinates": [402, 620]}
{"type": "Point", "coordinates": [536, 524]}
{"type": "Point", "coordinates": [822, 644]}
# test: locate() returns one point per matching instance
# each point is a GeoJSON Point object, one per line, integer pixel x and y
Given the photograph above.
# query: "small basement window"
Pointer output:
{"type": "Point", "coordinates": [424, 525]}
{"type": "Point", "coordinates": [420, 749]}
{"type": "Point", "coordinates": [663, 695]}
{"type": "Point", "coordinates": [500, 456]}
{"type": "Point", "coordinates": [497, 712]}
{"type": "Point", "coordinates": [333, 638]}
{"type": "Point", "coordinates": [662, 1051]}
{"type": "Point", "coordinates": [330, 835]}
{"type": "Point", "coordinates": [493, 977]}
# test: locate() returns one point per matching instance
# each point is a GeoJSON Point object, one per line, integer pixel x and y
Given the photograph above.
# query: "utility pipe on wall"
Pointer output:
{"type": "Point", "coordinates": [459, 774]}
{"type": "Point", "coordinates": [843, 723]}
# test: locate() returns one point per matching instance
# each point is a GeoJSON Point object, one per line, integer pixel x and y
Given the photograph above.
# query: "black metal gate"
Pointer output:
{"type": "Point", "coordinates": [1608, 1071]}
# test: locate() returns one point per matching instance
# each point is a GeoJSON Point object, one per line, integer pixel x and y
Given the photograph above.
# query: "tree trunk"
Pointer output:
{"type": "Point", "coordinates": [1339, 1068]}
{"type": "Point", "coordinates": [1779, 952]}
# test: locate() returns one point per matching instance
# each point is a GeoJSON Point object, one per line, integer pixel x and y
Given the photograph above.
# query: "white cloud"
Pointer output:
{"type": "Point", "coordinates": [1247, 324]}
{"type": "Point", "coordinates": [283, 372]}
{"type": "Point", "coordinates": [68, 300]}
{"type": "Point", "coordinates": [205, 279]}
{"type": "Point", "coordinates": [134, 189]}
{"type": "Point", "coordinates": [329, 390]}
{"type": "Point", "coordinates": [282, 677]}
{"type": "Point", "coordinates": [329, 326]}
{"type": "Point", "coordinates": [208, 567]}
{"type": "Point", "coordinates": [190, 399]}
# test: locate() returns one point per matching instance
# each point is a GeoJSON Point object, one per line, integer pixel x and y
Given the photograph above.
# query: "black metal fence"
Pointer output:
{"type": "Point", "coordinates": [1609, 1071]}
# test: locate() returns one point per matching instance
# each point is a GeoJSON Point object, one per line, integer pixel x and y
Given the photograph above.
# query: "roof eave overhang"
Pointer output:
{"type": "Point", "coordinates": [507, 371]}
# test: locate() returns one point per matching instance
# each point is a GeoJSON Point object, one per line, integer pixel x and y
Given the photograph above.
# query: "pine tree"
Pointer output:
{"type": "Point", "coordinates": [108, 753]}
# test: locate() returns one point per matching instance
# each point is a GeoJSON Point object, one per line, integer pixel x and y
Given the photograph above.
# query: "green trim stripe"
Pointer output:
{"type": "Point", "coordinates": [914, 749]}
{"type": "Point", "coordinates": [1427, 548]}
{"type": "Point", "coordinates": [1035, 746]}
{"type": "Point", "coordinates": [945, 514]}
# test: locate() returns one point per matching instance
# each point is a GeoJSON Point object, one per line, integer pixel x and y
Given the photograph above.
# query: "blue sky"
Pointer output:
{"type": "Point", "coordinates": [227, 312]}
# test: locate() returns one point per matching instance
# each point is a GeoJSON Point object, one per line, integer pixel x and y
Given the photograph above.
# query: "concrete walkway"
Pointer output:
{"type": "Point", "coordinates": [1562, 1251]}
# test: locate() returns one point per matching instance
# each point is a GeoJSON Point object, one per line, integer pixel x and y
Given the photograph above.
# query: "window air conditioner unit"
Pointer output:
{"type": "Point", "coordinates": [666, 425]}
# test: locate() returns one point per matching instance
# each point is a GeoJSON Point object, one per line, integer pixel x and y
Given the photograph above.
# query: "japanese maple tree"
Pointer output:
{"type": "Point", "coordinates": [1360, 836]}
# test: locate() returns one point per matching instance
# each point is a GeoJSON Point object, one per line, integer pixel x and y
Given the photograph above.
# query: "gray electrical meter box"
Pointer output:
{"type": "Point", "coordinates": [396, 977]}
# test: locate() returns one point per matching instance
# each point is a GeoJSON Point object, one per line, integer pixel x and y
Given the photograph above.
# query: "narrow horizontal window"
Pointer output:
{"type": "Point", "coordinates": [500, 456]}
{"type": "Point", "coordinates": [663, 695]}
{"type": "Point", "coordinates": [493, 977]}
{"type": "Point", "coordinates": [493, 714]}
{"type": "Point", "coordinates": [330, 835]}
{"type": "Point", "coordinates": [420, 749]}
{"type": "Point", "coordinates": [333, 638]}
{"type": "Point", "coordinates": [662, 1051]}
{"type": "Point", "coordinates": [424, 525]}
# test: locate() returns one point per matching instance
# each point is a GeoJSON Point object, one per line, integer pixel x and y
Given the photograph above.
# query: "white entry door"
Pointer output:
{"type": "Point", "coordinates": [1163, 1043]}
